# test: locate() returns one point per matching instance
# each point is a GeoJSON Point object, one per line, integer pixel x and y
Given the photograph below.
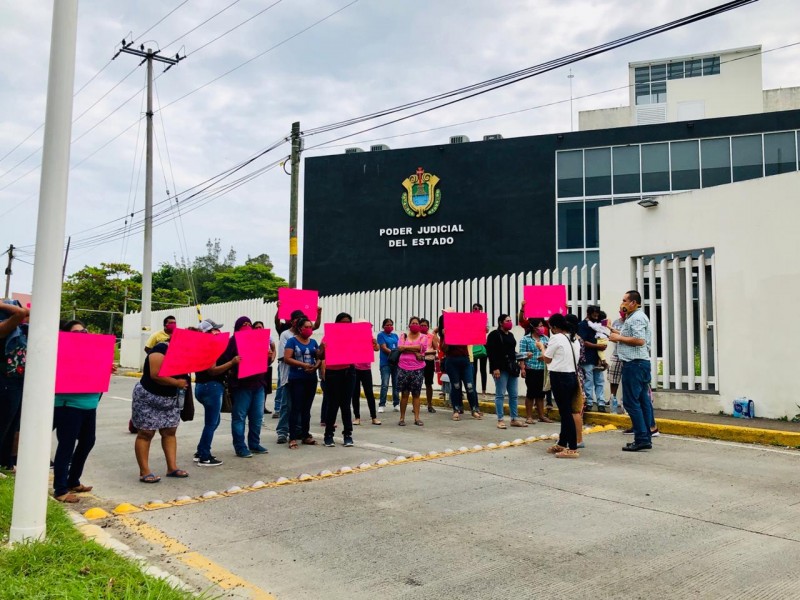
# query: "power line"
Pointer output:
{"type": "Point", "coordinates": [262, 11]}
{"type": "Point", "coordinates": [193, 29]}
{"type": "Point", "coordinates": [161, 20]}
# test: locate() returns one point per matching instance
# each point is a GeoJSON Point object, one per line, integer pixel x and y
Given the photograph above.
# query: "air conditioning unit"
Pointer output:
{"type": "Point", "coordinates": [353, 150]}
{"type": "Point", "coordinates": [378, 147]}
{"type": "Point", "coordinates": [492, 136]}
{"type": "Point", "coordinates": [459, 139]}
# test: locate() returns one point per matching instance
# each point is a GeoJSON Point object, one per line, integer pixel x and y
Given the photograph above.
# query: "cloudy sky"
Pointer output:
{"type": "Point", "coordinates": [371, 55]}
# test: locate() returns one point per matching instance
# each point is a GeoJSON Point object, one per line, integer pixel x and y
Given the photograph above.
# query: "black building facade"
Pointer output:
{"type": "Point", "coordinates": [384, 219]}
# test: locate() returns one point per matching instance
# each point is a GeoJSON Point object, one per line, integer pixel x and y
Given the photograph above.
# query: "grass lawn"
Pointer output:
{"type": "Point", "coordinates": [66, 565]}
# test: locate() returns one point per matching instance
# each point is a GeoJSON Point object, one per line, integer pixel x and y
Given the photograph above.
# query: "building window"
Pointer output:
{"type": "Point", "coordinates": [570, 225]}
{"type": "Point", "coordinates": [693, 68]}
{"type": "Point", "coordinates": [626, 170]}
{"type": "Point", "coordinates": [716, 159]}
{"type": "Point", "coordinates": [567, 260]}
{"type": "Point", "coordinates": [655, 167]}
{"type": "Point", "coordinates": [593, 222]}
{"type": "Point", "coordinates": [711, 66]}
{"type": "Point", "coordinates": [570, 174]}
{"type": "Point", "coordinates": [780, 154]}
{"type": "Point", "coordinates": [598, 171]}
{"type": "Point", "coordinates": [746, 157]}
{"type": "Point", "coordinates": [685, 165]}
{"type": "Point", "coordinates": [676, 70]}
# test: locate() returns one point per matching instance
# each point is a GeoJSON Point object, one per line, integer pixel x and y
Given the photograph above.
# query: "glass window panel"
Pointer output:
{"type": "Point", "coordinates": [626, 169]}
{"type": "Point", "coordinates": [658, 72]}
{"type": "Point", "coordinates": [779, 153]}
{"type": "Point", "coordinates": [593, 222]}
{"type": "Point", "coordinates": [658, 91]}
{"type": "Point", "coordinates": [685, 165]}
{"type": "Point", "coordinates": [655, 167]}
{"type": "Point", "coordinates": [570, 173]}
{"type": "Point", "coordinates": [570, 225]}
{"type": "Point", "coordinates": [676, 70]}
{"type": "Point", "coordinates": [593, 258]}
{"type": "Point", "coordinates": [642, 75]}
{"type": "Point", "coordinates": [598, 171]}
{"type": "Point", "coordinates": [711, 66]}
{"type": "Point", "coordinates": [747, 159]}
{"type": "Point", "coordinates": [716, 159]}
{"type": "Point", "coordinates": [570, 259]}
{"type": "Point", "coordinates": [643, 93]}
{"type": "Point", "coordinates": [694, 68]}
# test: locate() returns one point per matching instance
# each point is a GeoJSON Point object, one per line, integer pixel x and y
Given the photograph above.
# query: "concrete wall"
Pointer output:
{"type": "Point", "coordinates": [781, 99]}
{"type": "Point", "coordinates": [605, 118]}
{"type": "Point", "coordinates": [752, 227]}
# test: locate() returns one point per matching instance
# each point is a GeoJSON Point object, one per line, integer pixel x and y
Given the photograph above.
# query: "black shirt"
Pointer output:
{"type": "Point", "coordinates": [501, 347]}
{"type": "Point", "coordinates": [147, 380]}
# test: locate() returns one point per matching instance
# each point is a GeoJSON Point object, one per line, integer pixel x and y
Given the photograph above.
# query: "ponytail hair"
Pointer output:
{"type": "Point", "coordinates": [573, 321]}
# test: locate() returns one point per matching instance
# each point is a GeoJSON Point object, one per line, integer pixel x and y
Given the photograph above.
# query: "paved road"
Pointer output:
{"type": "Point", "coordinates": [691, 519]}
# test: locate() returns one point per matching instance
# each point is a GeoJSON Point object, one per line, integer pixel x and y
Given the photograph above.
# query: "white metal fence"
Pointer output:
{"type": "Point", "coordinates": [499, 294]}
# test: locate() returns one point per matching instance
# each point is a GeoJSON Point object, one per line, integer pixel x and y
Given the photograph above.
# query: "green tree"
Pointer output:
{"type": "Point", "coordinates": [251, 280]}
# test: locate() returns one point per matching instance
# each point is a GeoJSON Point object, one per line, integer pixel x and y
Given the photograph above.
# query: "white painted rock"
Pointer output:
{"type": "Point", "coordinates": [182, 498]}
{"type": "Point", "coordinates": [281, 480]}
{"type": "Point", "coordinates": [210, 495]}
{"type": "Point", "coordinates": [433, 453]}
{"type": "Point", "coordinates": [400, 459]}
{"type": "Point", "coordinates": [381, 462]}
{"type": "Point", "coordinates": [463, 449]}
{"type": "Point", "coordinates": [477, 447]}
{"type": "Point", "coordinates": [491, 445]}
{"type": "Point", "coordinates": [364, 465]}
{"type": "Point", "coordinates": [346, 470]}
{"type": "Point", "coordinates": [544, 437]}
{"type": "Point", "coordinates": [233, 489]}
{"type": "Point", "coordinates": [505, 444]}
{"type": "Point", "coordinates": [449, 451]}
{"type": "Point", "coordinates": [258, 484]}
{"type": "Point", "coordinates": [325, 473]}
{"type": "Point", "coordinates": [304, 477]}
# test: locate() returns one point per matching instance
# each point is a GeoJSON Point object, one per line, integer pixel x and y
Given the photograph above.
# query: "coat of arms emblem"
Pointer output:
{"type": "Point", "coordinates": [421, 197]}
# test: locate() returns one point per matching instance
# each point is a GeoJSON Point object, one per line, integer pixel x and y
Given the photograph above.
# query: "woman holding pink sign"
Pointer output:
{"type": "Point", "coordinates": [339, 383]}
{"type": "Point", "coordinates": [303, 362]}
{"type": "Point", "coordinates": [410, 369]}
{"type": "Point", "coordinates": [501, 346]}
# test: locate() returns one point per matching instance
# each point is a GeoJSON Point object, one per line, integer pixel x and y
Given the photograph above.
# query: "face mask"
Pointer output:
{"type": "Point", "coordinates": [413, 328]}
{"type": "Point", "coordinates": [476, 310]}
{"type": "Point", "coordinates": [604, 322]}
{"type": "Point", "coordinates": [622, 313]}
{"type": "Point", "coordinates": [170, 327]}
{"type": "Point", "coordinates": [306, 331]}
{"type": "Point", "coordinates": [423, 328]}
{"type": "Point", "coordinates": [246, 326]}
{"type": "Point", "coordinates": [388, 329]}
{"type": "Point", "coordinates": [508, 325]}
{"type": "Point", "coordinates": [541, 330]}
{"type": "Point", "coordinates": [623, 310]}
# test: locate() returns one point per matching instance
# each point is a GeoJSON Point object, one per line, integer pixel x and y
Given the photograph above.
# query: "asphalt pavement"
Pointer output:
{"type": "Point", "coordinates": [689, 519]}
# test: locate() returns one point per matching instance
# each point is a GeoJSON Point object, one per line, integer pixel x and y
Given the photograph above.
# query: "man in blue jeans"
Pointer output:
{"type": "Point", "coordinates": [593, 379]}
{"type": "Point", "coordinates": [633, 349]}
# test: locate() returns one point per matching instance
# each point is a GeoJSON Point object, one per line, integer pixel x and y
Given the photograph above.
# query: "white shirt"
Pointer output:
{"type": "Point", "coordinates": [562, 352]}
{"type": "Point", "coordinates": [283, 368]}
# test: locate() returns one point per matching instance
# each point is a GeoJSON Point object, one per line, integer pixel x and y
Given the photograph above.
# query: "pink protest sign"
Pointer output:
{"type": "Point", "coordinates": [84, 362]}
{"type": "Point", "coordinates": [348, 343]}
{"type": "Point", "coordinates": [192, 352]}
{"type": "Point", "coordinates": [545, 300]}
{"type": "Point", "coordinates": [461, 329]}
{"type": "Point", "coordinates": [292, 299]}
{"type": "Point", "coordinates": [253, 348]}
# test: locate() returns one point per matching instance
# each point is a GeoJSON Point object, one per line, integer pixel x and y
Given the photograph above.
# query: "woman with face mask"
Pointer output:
{"type": "Point", "coordinates": [339, 383]}
{"type": "Point", "coordinates": [410, 369]}
{"type": "Point", "coordinates": [501, 346]}
{"type": "Point", "coordinates": [303, 362]}
{"type": "Point", "coordinates": [387, 341]}
{"type": "Point", "coordinates": [534, 369]}
{"type": "Point", "coordinates": [430, 360]}
{"type": "Point", "coordinates": [479, 358]}
{"type": "Point", "coordinates": [247, 399]}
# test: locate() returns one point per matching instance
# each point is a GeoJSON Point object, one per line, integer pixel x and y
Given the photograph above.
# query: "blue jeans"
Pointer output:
{"type": "Point", "coordinates": [210, 396]}
{"type": "Point", "coordinates": [636, 397]}
{"type": "Point", "coordinates": [247, 404]}
{"type": "Point", "coordinates": [279, 398]}
{"type": "Point", "coordinates": [386, 372]}
{"type": "Point", "coordinates": [505, 383]}
{"type": "Point", "coordinates": [286, 409]}
{"type": "Point", "coordinates": [72, 425]}
{"type": "Point", "coordinates": [594, 385]}
{"type": "Point", "coordinates": [461, 374]}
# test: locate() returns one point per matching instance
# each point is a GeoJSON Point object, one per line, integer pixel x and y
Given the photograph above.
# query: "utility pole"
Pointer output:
{"type": "Point", "coordinates": [28, 519]}
{"type": "Point", "coordinates": [293, 194]}
{"type": "Point", "coordinates": [8, 270]}
{"type": "Point", "coordinates": [148, 56]}
{"type": "Point", "coordinates": [66, 256]}
{"type": "Point", "coordinates": [570, 77]}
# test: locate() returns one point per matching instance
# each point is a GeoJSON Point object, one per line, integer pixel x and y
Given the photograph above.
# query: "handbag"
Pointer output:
{"type": "Point", "coordinates": [578, 398]}
{"type": "Point", "coordinates": [546, 382]}
{"type": "Point", "coordinates": [187, 411]}
{"type": "Point", "coordinates": [479, 351]}
{"type": "Point", "coordinates": [227, 403]}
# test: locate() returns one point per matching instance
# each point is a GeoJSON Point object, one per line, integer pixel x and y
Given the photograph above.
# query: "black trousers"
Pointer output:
{"type": "Point", "coordinates": [564, 386]}
{"type": "Point", "coordinates": [363, 378]}
{"type": "Point", "coordinates": [482, 361]}
{"type": "Point", "coordinates": [339, 386]}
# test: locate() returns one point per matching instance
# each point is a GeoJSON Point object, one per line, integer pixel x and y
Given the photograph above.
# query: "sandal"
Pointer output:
{"type": "Point", "coordinates": [80, 489]}
{"type": "Point", "coordinates": [357, 421]}
{"type": "Point", "coordinates": [456, 416]}
{"type": "Point", "coordinates": [501, 425]}
{"type": "Point", "coordinates": [567, 453]}
{"type": "Point", "coordinates": [293, 445]}
{"type": "Point", "coordinates": [555, 449]}
{"type": "Point", "coordinates": [515, 423]}
{"type": "Point", "coordinates": [545, 420]}
{"type": "Point", "coordinates": [150, 478]}
{"type": "Point", "coordinates": [530, 421]}
{"type": "Point", "coordinates": [376, 422]}
{"type": "Point", "coordinates": [418, 422]}
{"type": "Point", "coordinates": [310, 441]}
{"type": "Point", "coordinates": [431, 409]}
{"type": "Point", "coordinates": [476, 414]}
{"type": "Point", "coordinates": [179, 473]}
{"type": "Point", "coordinates": [401, 423]}
{"type": "Point", "coordinates": [67, 498]}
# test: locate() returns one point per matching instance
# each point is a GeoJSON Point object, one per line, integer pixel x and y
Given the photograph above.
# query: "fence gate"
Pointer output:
{"type": "Point", "coordinates": [678, 295]}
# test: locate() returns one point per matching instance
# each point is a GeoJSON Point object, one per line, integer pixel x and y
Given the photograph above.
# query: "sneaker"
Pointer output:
{"type": "Point", "coordinates": [628, 431]}
{"type": "Point", "coordinates": [196, 457]}
{"type": "Point", "coordinates": [348, 442]}
{"type": "Point", "coordinates": [282, 439]}
{"type": "Point", "coordinates": [380, 409]}
{"type": "Point", "coordinates": [328, 442]}
{"type": "Point", "coordinates": [581, 445]}
{"type": "Point", "coordinates": [259, 450]}
{"type": "Point", "coordinates": [587, 408]}
{"type": "Point", "coordinates": [245, 454]}
{"type": "Point", "coordinates": [655, 432]}
{"type": "Point", "coordinates": [601, 409]}
{"type": "Point", "coordinates": [396, 409]}
{"type": "Point", "coordinates": [211, 461]}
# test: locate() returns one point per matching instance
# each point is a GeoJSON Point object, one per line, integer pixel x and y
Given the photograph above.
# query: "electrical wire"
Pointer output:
{"type": "Point", "coordinates": [195, 28]}
{"type": "Point", "coordinates": [262, 11]}
{"type": "Point", "coordinates": [161, 20]}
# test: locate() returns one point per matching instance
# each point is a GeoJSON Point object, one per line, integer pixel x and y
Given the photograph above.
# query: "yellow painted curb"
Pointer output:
{"type": "Point", "coordinates": [95, 513]}
{"type": "Point", "coordinates": [136, 374]}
